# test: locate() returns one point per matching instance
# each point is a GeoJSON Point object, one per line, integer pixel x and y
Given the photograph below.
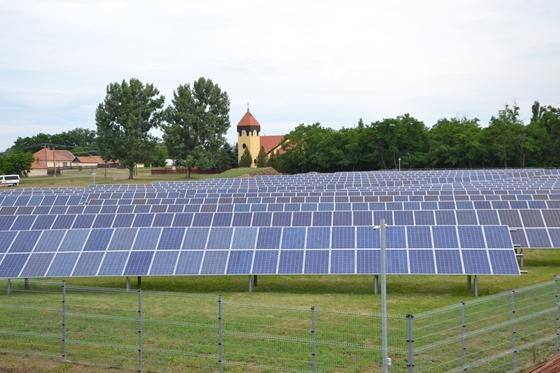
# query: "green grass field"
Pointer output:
{"type": "Point", "coordinates": [269, 327]}
{"type": "Point", "coordinates": [84, 177]}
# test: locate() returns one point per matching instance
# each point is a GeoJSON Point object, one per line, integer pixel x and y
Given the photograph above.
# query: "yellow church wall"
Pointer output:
{"type": "Point", "coordinates": [252, 141]}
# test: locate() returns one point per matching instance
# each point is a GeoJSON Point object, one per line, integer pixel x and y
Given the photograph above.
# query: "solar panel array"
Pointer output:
{"type": "Point", "coordinates": [441, 222]}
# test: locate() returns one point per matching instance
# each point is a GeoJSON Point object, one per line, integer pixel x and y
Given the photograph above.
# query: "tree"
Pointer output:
{"type": "Point", "coordinates": [158, 155]}
{"type": "Point", "coordinates": [16, 163]}
{"type": "Point", "coordinates": [246, 159]}
{"type": "Point", "coordinates": [196, 122]}
{"type": "Point", "coordinates": [505, 138]}
{"type": "Point", "coordinates": [262, 158]}
{"type": "Point", "coordinates": [124, 121]}
{"type": "Point", "coordinates": [455, 143]}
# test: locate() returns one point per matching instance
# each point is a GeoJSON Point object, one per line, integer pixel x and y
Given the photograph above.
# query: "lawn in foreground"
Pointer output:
{"type": "Point", "coordinates": [269, 327]}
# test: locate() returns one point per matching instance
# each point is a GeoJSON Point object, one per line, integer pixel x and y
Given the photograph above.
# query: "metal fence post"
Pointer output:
{"type": "Point", "coordinates": [9, 288]}
{"type": "Point", "coordinates": [410, 343]}
{"type": "Point", "coordinates": [63, 339]}
{"type": "Point", "coordinates": [313, 340]}
{"type": "Point", "coordinates": [513, 332]}
{"type": "Point", "coordinates": [463, 344]}
{"type": "Point", "coordinates": [140, 331]}
{"type": "Point", "coordinates": [557, 318]}
{"type": "Point", "coordinates": [220, 336]}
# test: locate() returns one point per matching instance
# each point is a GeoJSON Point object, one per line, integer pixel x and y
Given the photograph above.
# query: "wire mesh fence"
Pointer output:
{"type": "Point", "coordinates": [177, 332]}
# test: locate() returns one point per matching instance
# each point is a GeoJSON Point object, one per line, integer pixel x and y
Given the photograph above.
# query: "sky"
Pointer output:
{"type": "Point", "coordinates": [294, 62]}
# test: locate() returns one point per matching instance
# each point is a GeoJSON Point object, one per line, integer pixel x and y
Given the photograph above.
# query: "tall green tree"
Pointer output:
{"type": "Point", "coordinates": [246, 159]}
{"type": "Point", "coordinates": [504, 139]}
{"type": "Point", "coordinates": [196, 123]}
{"type": "Point", "coordinates": [124, 121]}
{"type": "Point", "coordinates": [262, 159]}
{"type": "Point", "coordinates": [456, 143]}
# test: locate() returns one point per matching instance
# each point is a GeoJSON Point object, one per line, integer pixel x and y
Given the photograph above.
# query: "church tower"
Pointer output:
{"type": "Point", "coordinates": [248, 136]}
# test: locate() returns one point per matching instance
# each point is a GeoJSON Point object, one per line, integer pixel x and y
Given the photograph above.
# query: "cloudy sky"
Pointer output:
{"type": "Point", "coordinates": [293, 61]}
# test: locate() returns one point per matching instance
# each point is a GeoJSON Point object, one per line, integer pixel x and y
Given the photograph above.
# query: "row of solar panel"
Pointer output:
{"type": "Point", "coordinates": [398, 237]}
{"type": "Point", "coordinates": [260, 262]}
{"type": "Point", "coordinates": [511, 218]}
{"type": "Point", "coordinates": [259, 207]}
{"type": "Point", "coordinates": [311, 186]}
{"type": "Point", "coordinates": [520, 201]}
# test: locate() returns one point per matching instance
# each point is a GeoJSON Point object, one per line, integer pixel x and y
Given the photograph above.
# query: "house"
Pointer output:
{"type": "Point", "coordinates": [249, 137]}
{"type": "Point", "coordinates": [89, 161]}
{"type": "Point", "coordinates": [50, 159]}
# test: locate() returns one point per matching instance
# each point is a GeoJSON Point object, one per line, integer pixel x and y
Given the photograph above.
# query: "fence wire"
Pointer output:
{"type": "Point", "coordinates": [176, 332]}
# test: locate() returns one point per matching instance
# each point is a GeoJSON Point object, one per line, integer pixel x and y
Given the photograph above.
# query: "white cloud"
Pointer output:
{"type": "Point", "coordinates": [294, 61]}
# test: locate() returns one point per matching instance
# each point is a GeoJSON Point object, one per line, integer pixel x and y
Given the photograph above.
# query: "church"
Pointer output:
{"type": "Point", "coordinates": [249, 137]}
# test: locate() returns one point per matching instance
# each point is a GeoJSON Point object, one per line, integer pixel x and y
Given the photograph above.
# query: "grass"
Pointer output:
{"type": "Point", "coordinates": [269, 327]}
{"type": "Point", "coordinates": [70, 178]}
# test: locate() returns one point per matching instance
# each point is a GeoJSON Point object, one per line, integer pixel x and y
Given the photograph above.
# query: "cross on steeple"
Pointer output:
{"type": "Point", "coordinates": [247, 106]}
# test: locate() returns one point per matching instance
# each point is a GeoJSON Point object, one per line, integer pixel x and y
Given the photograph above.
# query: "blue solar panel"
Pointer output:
{"type": "Point", "coordinates": [269, 238]}
{"type": "Point", "coordinates": [164, 263]}
{"type": "Point", "coordinates": [25, 241]}
{"type": "Point", "coordinates": [448, 261]}
{"type": "Point", "coordinates": [214, 262]}
{"type": "Point", "coordinates": [239, 262]}
{"type": "Point", "coordinates": [343, 237]}
{"type": "Point", "coordinates": [342, 261]}
{"type": "Point", "coordinates": [171, 239]}
{"type": "Point", "coordinates": [396, 237]}
{"type": "Point", "coordinates": [422, 261]}
{"type": "Point", "coordinates": [293, 238]}
{"type": "Point", "coordinates": [396, 261]}
{"type": "Point", "coordinates": [291, 262]}
{"type": "Point", "coordinates": [265, 262]}
{"type": "Point", "coordinates": [189, 263]}
{"type": "Point", "coordinates": [12, 265]}
{"type": "Point", "coordinates": [419, 237]}
{"type": "Point", "coordinates": [471, 237]}
{"type": "Point", "coordinates": [122, 239]}
{"type": "Point", "coordinates": [220, 239]}
{"type": "Point", "coordinates": [538, 238]}
{"type": "Point", "coordinates": [445, 237]}
{"type": "Point", "coordinates": [88, 264]}
{"type": "Point", "coordinates": [37, 265]}
{"type": "Point", "coordinates": [503, 263]}
{"type": "Point", "coordinates": [49, 241]}
{"type": "Point", "coordinates": [98, 240]}
{"type": "Point", "coordinates": [476, 262]}
{"type": "Point", "coordinates": [63, 264]}
{"type": "Point", "coordinates": [497, 237]}
{"type": "Point", "coordinates": [316, 261]}
{"type": "Point", "coordinates": [195, 238]}
{"type": "Point", "coordinates": [138, 263]}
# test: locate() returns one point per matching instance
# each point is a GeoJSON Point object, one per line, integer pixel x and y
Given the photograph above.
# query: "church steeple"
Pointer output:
{"type": "Point", "coordinates": [248, 138]}
{"type": "Point", "coordinates": [248, 123]}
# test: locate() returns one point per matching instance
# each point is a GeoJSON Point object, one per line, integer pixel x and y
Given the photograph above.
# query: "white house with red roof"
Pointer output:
{"type": "Point", "coordinates": [249, 137]}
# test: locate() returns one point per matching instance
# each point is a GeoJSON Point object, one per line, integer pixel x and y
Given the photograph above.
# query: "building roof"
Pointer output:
{"type": "Point", "coordinates": [248, 120]}
{"type": "Point", "coordinates": [39, 165]}
{"type": "Point", "coordinates": [91, 159]}
{"type": "Point", "coordinates": [271, 142]}
{"type": "Point", "coordinates": [47, 154]}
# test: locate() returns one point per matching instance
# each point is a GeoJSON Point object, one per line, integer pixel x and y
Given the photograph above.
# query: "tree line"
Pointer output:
{"type": "Point", "coordinates": [195, 122]}
{"type": "Point", "coordinates": [407, 142]}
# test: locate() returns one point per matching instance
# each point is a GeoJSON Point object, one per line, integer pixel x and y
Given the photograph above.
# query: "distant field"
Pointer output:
{"type": "Point", "coordinates": [118, 176]}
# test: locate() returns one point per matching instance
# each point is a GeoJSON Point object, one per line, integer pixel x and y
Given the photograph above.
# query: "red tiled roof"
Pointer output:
{"type": "Point", "coordinates": [39, 165]}
{"type": "Point", "coordinates": [248, 120]}
{"type": "Point", "coordinates": [271, 142]}
{"type": "Point", "coordinates": [46, 154]}
{"type": "Point", "coordinates": [91, 159]}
